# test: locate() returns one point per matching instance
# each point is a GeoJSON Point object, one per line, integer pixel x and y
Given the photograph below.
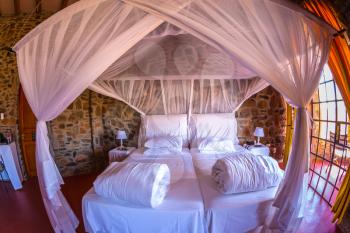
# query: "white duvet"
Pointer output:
{"type": "Point", "coordinates": [245, 172]}
{"type": "Point", "coordinates": [138, 183]}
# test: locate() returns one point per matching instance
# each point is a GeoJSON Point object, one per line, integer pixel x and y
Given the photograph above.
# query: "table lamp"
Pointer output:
{"type": "Point", "coordinates": [121, 135]}
{"type": "Point", "coordinates": [259, 132]}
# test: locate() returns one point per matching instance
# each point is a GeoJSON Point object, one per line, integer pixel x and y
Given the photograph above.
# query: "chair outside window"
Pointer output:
{"type": "Point", "coordinates": [340, 153]}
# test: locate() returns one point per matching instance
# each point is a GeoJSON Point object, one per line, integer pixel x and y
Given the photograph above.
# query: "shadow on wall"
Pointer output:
{"type": "Point", "coordinates": [84, 133]}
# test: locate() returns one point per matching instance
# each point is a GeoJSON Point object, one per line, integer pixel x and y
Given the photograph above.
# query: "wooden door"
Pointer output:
{"type": "Point", "coordinates": [27, 125]}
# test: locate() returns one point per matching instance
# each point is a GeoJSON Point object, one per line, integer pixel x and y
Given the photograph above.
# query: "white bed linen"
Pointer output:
{"type": "Point", "coordinates": [181, 211]}
{"type": "Point", "coordinates": [120, 180]}
{"type": "Point", "coordinates": [234, 213]}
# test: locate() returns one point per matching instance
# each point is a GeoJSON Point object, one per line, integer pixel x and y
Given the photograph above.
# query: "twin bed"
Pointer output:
{"type": "Point", "coordinates": [192, 204]}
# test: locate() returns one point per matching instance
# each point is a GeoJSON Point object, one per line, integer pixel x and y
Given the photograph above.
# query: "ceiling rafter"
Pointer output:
{"type": "Point", "coordinates": [64, 3]}
{"type": "Point", "coordinates": [38, 5]}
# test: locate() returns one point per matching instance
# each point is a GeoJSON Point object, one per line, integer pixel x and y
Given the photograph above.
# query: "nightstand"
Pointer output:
{"type": "Point", "coordinates": [259, 149]}
{"type": "Point", "coordinates": [117, 155]}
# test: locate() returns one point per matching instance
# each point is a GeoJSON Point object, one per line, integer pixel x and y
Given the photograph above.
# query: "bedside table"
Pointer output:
{"type": "Point", "coordinates": [259, 150]}
{"type": "Point", "coordinates": [117, 155]}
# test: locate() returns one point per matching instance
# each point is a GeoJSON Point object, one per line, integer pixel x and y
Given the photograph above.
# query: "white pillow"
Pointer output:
{"type": "Point", "coordinates": [174, 142]}
{"type": "Point", "coordinates": [161, 151]}
{"type": "Point", "coordinates": [218, 125]}
{"type": "Point", "coordinates": [163, 125]}
{"type": "Point", "coordinates": [216, 145]}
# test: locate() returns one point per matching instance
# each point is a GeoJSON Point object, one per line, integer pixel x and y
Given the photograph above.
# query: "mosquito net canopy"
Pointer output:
{"type": "Point", "coordinates": [166, 57]}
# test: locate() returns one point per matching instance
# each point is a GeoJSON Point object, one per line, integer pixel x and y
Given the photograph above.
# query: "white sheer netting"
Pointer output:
{"type": "Point", "coordinates": [154, 97]}
{"type": "Point", "coordinates": [181, 56]}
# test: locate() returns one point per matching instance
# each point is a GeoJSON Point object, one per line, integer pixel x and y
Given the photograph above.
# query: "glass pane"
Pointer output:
{"type": "Point", "coordinates": [314, 180]}
{"type": "Point", "coordinates": [321, 148]}
{"type": "Point", "coordinates": [343, 129]}
{"type": "Point", "coordinates": [333, 174]}
{"type": "Point", "coordinates": [328, 150]}
{"type": "Point", "coordinates": [341, 111]}
{"type": "Point", "coordinates": [315, 97]}
{"type": "Point", "coordinates": [323, 129]}
{"type": "Point", "coordinates": [314, 145]}
{"type": "Point", "coordinates": [334, 196]}
{"type": "Point", "coordinates": [330, 91]}
{"type": "Point", "coordinates": [316, 111]}
{"type": "Point", "coordinates": [327, 73]}
{"type": "Point", "coordinates": [322, 92]}
{"type": "Point", "coordinates": [328, 192]}
{"type": "Point", "coordinates": [323, 111]}
{"type": "Point", "coordinates": [316, 128]}
{"type": "Point", "coordinates": [313, 158]}
{"type": "Point", "coordinates": [339, 96]}
{"type": "Point", "coordinates": [331, 111]}
{"type": "Point", "coordinates": [330, 130]}
{"type": "Point", "coordinates": [321, 185]}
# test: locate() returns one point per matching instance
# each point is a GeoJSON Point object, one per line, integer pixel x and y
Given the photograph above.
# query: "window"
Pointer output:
{"type": "Point", "coordinates": [330, 151]}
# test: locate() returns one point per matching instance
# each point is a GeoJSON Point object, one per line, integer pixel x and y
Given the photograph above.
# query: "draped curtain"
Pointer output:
{"type": "Point", "coordinates": [56, 66]}
{"type": "Point", "coordinates": [279, 43]}
{"type": "Point", "coordinates": [339, 63]}
{"type": "Point", "coordinates": [286, 50]}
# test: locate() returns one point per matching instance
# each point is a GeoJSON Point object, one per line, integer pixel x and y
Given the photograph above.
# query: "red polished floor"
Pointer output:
{"type": "Point", "coordinates": [23, 212]}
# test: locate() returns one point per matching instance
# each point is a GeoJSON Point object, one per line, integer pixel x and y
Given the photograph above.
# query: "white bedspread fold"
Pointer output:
{"type": "Point", "coordinates": [245, 172]}
{"type": "Point", "coordinates": [138, 183]}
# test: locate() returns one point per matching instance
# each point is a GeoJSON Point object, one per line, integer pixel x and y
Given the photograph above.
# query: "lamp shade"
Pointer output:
{"type": "Point", "coordinates": [259, 132]}
{"type": "Point", "coordinates": [121, 134]}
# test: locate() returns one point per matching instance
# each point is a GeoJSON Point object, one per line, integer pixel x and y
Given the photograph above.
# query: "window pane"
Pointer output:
{"type": "Point", "coordinates": [323, 111]}
{"type": "Point", "coordinates": [316, 111]}
{"type": "Point", "coordinates": [330, 91]}
{"type": "Point", "coordinates": [330, 154]}
{"type": "Point", "coordinates": [341, 111]}
{"type": "Point", "coordinates": [314, 143]}
{"type": "Point", "coordinates": [331, 111]}
{"type": "Point", "coordinates": [316, 128]}
{"type": "Point", "coordinates": [323, 129]}
{"type": "Point", "coordinates": [330, 130]}
{"type": "Point", "coordinates": [315, 97]}
{"type": "Point", "coordinates": [327, 73]}
{"type": "Point", "coordinates": [322, 92]}
{"type": "Point", "coordinates": [339, 96]}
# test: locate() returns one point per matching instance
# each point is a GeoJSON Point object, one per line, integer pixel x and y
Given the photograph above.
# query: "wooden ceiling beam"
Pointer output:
{"type": "Point", "coordinates": [17, 6]}
{"type": "Point", "coordinates": [38, 6]}
{"type": "Point", "coordinates": [64, 4]}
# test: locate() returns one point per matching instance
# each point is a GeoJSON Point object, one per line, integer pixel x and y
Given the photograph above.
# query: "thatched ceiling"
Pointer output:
{"type": "Point", "coordinates": [13, 7]}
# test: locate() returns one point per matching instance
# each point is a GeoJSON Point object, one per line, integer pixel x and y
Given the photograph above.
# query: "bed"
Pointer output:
{"type": "Point", "coordinates": [229, 213]}
{"type": "Point", "coordinates": [181, 211]}
{"type": "Point", "coordinates": [193, 204]}
{"type": "Point", "coordinates": [234, 213]}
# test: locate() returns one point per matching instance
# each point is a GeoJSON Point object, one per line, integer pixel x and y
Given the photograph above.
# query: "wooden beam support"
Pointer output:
{"type": "Point", "coordinates": [38, 6]}
{"type": "Point", "coordinates": [17, 6]}
{"type": "Point", "coordinates": [64, 3]}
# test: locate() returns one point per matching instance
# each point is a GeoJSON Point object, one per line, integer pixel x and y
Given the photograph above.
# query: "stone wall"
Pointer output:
{"type": "Point", "coordinates": [82, 135]}
{"type": "Point", "coordinates": [265, 109]}
{"type": "Point", "coordinates": [11, 30]}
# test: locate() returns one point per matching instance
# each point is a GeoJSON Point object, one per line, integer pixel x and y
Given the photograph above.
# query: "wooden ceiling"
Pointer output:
{"type": "Point", "coordinates": [13, 7]}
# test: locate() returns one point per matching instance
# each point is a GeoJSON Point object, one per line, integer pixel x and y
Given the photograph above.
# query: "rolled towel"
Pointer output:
{"type": "Point", "coordinates": [138, 183]}
{"type": "Point", "coordinates": [245, 172]}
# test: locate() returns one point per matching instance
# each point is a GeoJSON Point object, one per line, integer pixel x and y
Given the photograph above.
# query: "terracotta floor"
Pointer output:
{"type": "Point", "coordinates": [23, 212]}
